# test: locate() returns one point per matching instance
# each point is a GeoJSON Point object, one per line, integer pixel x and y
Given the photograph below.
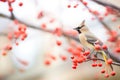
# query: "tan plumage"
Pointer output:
{"type": "Point", "coordinates": [84, 42]}
{"type": "Point", "coordinates": [88, 40]}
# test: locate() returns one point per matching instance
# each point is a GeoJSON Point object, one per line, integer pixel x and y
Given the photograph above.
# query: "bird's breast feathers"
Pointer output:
{"type": "Point", "coordinates": [84, 42]}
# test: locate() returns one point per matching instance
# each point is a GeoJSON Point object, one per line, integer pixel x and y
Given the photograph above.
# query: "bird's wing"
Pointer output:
{"type": "Point", "coordinates": [92, 39]}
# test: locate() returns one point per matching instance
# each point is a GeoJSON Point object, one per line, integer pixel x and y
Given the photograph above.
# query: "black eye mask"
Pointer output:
{"type": "Point", "coordinates": [78, 28]}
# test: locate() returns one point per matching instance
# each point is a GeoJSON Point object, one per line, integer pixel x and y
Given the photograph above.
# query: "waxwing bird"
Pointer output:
{"type": "Point", "coordinates": [89, 41]}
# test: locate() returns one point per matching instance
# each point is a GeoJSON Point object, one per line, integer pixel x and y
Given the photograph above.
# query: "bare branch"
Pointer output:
{"type": "Point", "coordinates": [114, 63]}
{"type": "Point", "coordinates": [107, 4]}
{"type": "Point", "coordinates": [114, 8]}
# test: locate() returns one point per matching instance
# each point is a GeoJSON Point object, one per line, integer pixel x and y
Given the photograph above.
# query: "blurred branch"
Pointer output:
{"type": "Point", "coordinates": [114, 63]}
{"type": "Point", "coordinates": [3, 34]}
{"type": "Point", "coordinates": [103, 3]}
{"type": "Point", "coordinates": [115, 8]}
{"type": "Point", "coordinates": [38, 28]}
{"type": "Point", "coordinates": [12, 14]}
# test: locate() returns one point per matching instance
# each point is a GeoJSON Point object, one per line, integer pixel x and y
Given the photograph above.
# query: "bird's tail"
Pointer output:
{"type": "Point", "coordinates": [114, 57]}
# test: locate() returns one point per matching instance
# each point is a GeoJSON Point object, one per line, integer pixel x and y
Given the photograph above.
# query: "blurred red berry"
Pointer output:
{"type": "Point", "coordinates": [74, 67]}
{"type": "Point", "coordinates": [94, 65]}
{"type": "Point", "coordinates": [113, 73]}
{"type": "Point", "coordinates": [47, 62]}
{"type": "Point", "coordinates": [63, 57]}
{"type": "Point", "coordinates": [85, 3]}
{"type": "Point", "coordinates": [58, 43]}
{"type": "Point", "coordinates": [103, 71]}
{"type": "Point", "coordinates": [69, 6]}
{"type": "Point", "coordinates": [100, 64]}
{"type": "Point", "coordinates": [104, 47]}
{"type": "Point", "coordinates": [109, 61]}
{"type": "Point", "coordinates": [117, 50]}
{"type": "Point", "coordinates": [106, 75]}
{"type": "Point", "coordinates": [10, 9]}
{"type": "Point", "coordinates": [97, 47]}
{"type": "Point", "coordinates": [20, 4]}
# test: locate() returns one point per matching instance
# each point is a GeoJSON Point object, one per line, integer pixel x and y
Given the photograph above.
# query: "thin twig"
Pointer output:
{"type": "Point", "coordinates": [114, 63]}
{"type": "Point", "coordinates": [104, 25]}
{"type": "Point", "coordinates": [11, 12]}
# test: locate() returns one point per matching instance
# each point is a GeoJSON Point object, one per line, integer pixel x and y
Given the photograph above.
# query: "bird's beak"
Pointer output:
{"type": "Point", "coordinates": [75, 28]}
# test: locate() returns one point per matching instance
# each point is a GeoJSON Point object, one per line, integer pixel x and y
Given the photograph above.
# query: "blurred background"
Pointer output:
{"type": "Point", "coordinates": [28, 60]}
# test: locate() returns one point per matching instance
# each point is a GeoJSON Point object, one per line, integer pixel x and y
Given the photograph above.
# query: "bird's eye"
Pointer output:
{"type": "Point", "coordinates": [79, 27]}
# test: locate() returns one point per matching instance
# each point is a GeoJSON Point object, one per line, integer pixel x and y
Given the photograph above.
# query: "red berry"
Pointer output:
{"type": "Point", "coordinates": [104, 47]}
{"type": "Point", "coordinates": [16, 21]}
{"type": "Point", "coordinates": [76, 52]}
{"type": "Point", "coordinates": [85, 3]}
{"type": "Point", "coordinates": [63, 57]}
{"type": "Point", "coordinates": [117, 50]}
{"type": "Point", "coordinates": [53, 57]}
{"type": "Point", "coordinates": [8, 47]}
{"type": "Point", "coordinates": [79, 48]}
{"type": "Point", "coordinates": [113, 73]}
{"type": "Point", "coordinates": [87, 53]}
{"type": "Point", "coordinates": [40, 15]}
{"type": "Point", "coordinates": [20, 4]}
{"type": "Point", "coordinates": [97, 47]}
{"type": "Point", "coordinates": [106, 75]}
{"type": "Point", "coordinates": [17, 43]}
{"type": "Point", "coordinates": [114, 19]}
{"type": "Point", "coordinates": [52, 20]}
{"type": "Point", "coordinates": [3, 0]}
{"type": "Point", "coordinates": [74, 67]}
{"type": "Point", "coordinates": [75, 64]}
{"type": "Point", "coordinates": [100, 64]}
{"type": "Point", "coordinates": [58, 31]}
{"type": "Point", "coordinates": [72, 57]}
{"type": "Point", "coordinates": [10, 9]}
{"type": "Point", "coordinates": [103, 71]}
{"type": "Point", "coordinates": [106, 13]}
{"type": "Point", "coordinates": [58, 43]}
{"type": "Point", "coordinates": [75, 6]}
{"type": "Point", "coordinates": [74, 61]}
{"type": "Point", "coordinates": [80, 60]}
{"type": "Point", "coordinates": [94, 65]}
{"type": "Point", "coordinates": [4, 53]}
{"type": "Point", "coordinates": [70, 49]}
{"type": "Point", "coordinates": [10, 36]}
{"type": "Point", "coordinates": [69, 6]}
{"type": "Point", "coordinates": [47, 62]}
{"type": "Point", "coordinates": [11, 1]}
{"type": "Point", "coordinates": [24, 35]}
{"type": "Point", "coordinates": [109, 61]}
{"type": "Point", "coordinates": [43, 26]}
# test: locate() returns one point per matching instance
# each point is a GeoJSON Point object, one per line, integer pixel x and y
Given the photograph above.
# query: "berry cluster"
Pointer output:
{"type": "Point", "coordinates": [10, 2]}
